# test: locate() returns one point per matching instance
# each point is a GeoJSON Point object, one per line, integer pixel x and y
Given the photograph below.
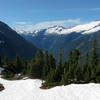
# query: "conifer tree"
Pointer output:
{"type": "Point", "coordinates": [78, 72]}
{"type": "Point", "coordinates": [37, 65]}
{"type": "Point", "coordinates": [52, 62]}
{"type": "Point", "coordinates": [18, 64]}
{"type": "Point", "coordinates": [66, 78]}
{"type": "Point", "coordinates": [74, 63]}
{"type": "Point", "coordinates": [5, 61]}
{"type": "Point", "coordinates": [46, 68]}
{"type": "Point", "coordinates": [0, 62]}
{"type": "Point", "coordinates": [94, 60]}
{"type": "Point", "coordinates": [59, 69]}
{"type": "Point", "coordinates": [51, 76]}
{"type": "Point", "coordinates": [25, 67]}
{"type": "Point", "coordinates": [94, 55]}
{"type": "Point", "coordinates": [87, 75]}
{"type": "Point", "coordinates": [85, 66]}
{"type": "Point", "coordinates": [60, 59]}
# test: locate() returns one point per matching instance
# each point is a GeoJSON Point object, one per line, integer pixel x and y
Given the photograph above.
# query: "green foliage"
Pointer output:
{"type": "Point", "coordinates": [60, 59]}
{"type": "Point", "coordinates": [36, 65]}
{"type": "Point", "coordinates": [46, 67]}
{"type": "Point", "coordinates": [98, 79]}
{"type": "Point", "coordinates": [51, 76]}
{"type": "Point", "coordinates": [5, 61]}
{"type": "Point", "coordinates": [52, 62]}
{"type": "Point", "coordinates": [76, 69]}
{"type": "Point", "coordinates": [18, 64]}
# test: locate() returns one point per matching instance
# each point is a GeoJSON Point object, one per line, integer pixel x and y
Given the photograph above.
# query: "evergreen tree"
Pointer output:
{"type": "Point", "coordinates": [25, 67]}
{"type": "Point", "coordinates": [52, 62]}
{"type": "Point", "coordinates": [59, 69]}
{"type": "Point", "coordinates": [78, 72]}
{"type": "Point", "coordinates": [87, 75]}
{"type": "Point", "coordinates": [0, 62]}
{"type": "Point", "coordinates": [94, 60]}
{"type": "Point", "coordinates": [94, 55]}
{"type": "Point", "coordinates": [51, 76]}
{"type": "Point", "coordinates": [36, 65]}
{"type": "Point", "coordinates": [46, 67]}
{"type": "Point", "coordinates": [34, 71]}
{"type": "Point", "coordinates": [66, 79]}
{"type": "Point", "coordinates": [18, 64]}
{"type": "Point", "coordinates": [5, 61]}
{"type": "Point", "coordinates": [68, 63]}
{"type": "Point", "coordinates": [60, 59]}
{"type": "Point", "coordinates": [74, 65]}
{"type": "Point", "coordinates": [85, 66]}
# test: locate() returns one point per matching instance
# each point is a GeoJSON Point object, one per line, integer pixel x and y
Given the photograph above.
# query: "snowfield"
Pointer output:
{"type": "Point", "coordinates": [29, 90]}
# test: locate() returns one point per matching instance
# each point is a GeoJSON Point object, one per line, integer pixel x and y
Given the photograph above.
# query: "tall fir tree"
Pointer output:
{"type": "Point", "coordinates": [59, 68]}
{"type": "Point", "coordinates": [94, 60]}
{"type": "Point", "coordinates": [5, 61]}
{"type": "Point", "coordinates": [52, 62]}
{"type": "Point", "coordinates": [60, 59]}
{"type": "Point", "coordinates": [38, 64]}
{"type": "Point", "coordinates": [46, 67]}
{"type": "Point", "coordinates": [18, 64]}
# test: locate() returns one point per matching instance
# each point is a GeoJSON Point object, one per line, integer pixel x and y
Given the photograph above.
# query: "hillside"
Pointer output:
{"type": "Point", "coordinates": [12, 43]}
{"type": "Point", "coordinates": [59, 39]}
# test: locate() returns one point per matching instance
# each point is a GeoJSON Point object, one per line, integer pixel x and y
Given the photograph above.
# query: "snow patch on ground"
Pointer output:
{"type": "Point", "coordinates": [29, 90]}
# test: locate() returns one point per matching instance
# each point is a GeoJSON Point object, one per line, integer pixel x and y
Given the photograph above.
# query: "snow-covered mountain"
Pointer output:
{"type": "Point", "coordinates": [59, 39]}
{"type": "Point", "coordinates": [30, 90]}
{"type": "Point", "coordinates": [84, 29]}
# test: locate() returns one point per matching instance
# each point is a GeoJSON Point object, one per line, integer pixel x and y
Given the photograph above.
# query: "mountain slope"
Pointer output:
{"type": "Point", "coordinates": [30, 90]}
{"type": "Point", "coordinates": [58, 38]}
{"type": "Point", "coordinates": [12, 43]}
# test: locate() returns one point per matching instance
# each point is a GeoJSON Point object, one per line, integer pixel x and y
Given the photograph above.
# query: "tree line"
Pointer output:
{"type": "Point", "coordinates": [76, 69]}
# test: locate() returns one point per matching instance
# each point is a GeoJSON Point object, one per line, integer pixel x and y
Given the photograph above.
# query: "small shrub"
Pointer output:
{"type": "Point", "coordinates": [1, 87]}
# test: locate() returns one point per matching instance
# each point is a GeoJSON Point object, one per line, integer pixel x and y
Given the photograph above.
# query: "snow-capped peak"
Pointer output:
{"type": "Point", "coordinates": [83, 29]}
{"type": "Point", "coordinates": [56, 29]}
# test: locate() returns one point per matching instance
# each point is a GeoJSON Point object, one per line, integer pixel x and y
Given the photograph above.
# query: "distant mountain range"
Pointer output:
{"type": "Point", "coordinates": [59, 39]}
{"type": "Point", "coordinates": [12, 43]}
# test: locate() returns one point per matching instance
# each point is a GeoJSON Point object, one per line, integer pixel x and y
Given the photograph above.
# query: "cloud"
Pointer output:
{"type": "Point", "coordinates": [20, 23]}
{"type": "Point", "coordinates": [43, 25]}
{"type": "Point", "coordinates": [95, 9]}
{"type": "Point", "coordinates": [82, 9]}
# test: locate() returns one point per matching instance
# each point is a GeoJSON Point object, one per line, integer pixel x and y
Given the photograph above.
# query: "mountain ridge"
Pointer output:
{"type": "Point", "coordinates": [80, 37]}
{"type": "Point", "coordinates": [90, 27]}
{"type": "Point", "coordinates": [12, 43]}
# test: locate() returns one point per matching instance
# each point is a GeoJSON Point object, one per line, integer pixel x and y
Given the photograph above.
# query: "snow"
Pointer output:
{"type": "Point", "coordinates": [88, 28]}
{"type": "Point", "coordinates": [29, 90]}
{"type": "Point", "coordinates": [92, 30]}
{"type": "Point", "coordinates": [85, 29]}
{"type": "Point", "coordinates": [56, 29]}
